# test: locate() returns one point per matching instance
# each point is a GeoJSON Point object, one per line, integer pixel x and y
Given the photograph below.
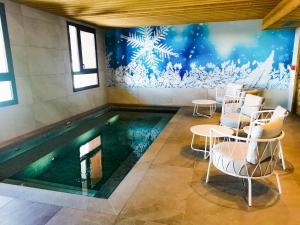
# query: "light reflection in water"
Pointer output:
{"type": "Point", "coordinates": [91, 163]}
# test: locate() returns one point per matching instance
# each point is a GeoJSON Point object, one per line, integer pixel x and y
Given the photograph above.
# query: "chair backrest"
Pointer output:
{"type": "Point", "coordinates": [260, 150]}
{"type": "Point", "coordinates": [251, 104]}
{"type": "Point", "coordinates": [279, 112]}
{"type": "Point", "coordinates": [233, 89]}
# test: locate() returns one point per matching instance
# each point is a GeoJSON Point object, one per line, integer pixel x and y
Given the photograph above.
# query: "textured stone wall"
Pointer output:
{"type": "Point", "coordinates": [41, 62]}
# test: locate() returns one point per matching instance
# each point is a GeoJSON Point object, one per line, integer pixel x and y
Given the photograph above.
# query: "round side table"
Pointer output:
{"type": "Point", "coordinates": [204, 131]}
{"type": "Point", "coordinates": [204, 103]}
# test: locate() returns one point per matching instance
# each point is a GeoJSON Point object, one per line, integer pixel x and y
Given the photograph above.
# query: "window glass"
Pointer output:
{"type": "Point", "coordinates": [3, 60]}
{"type": "Point", "coordinates": [74, 49]}
{"type": "Point", "coordinates": [6, 93]}
{"type": "Point", "coordinates": [84, 80]}
{"type": "Point", "coordinates": [83, 57]}
{"type": "Point", "coordinates": [88, 50]}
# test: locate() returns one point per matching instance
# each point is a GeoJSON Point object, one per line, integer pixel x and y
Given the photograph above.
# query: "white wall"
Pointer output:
{"type": "Point", "coordinates": [293, 80]}
{"type": "Point", "coordinates": [41, 62]}
{"type": "Point", "coordinates": [181, 96]}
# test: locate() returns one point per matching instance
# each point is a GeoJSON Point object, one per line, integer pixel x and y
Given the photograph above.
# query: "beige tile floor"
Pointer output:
{"type": "Point", "coordinates": [173, 190]}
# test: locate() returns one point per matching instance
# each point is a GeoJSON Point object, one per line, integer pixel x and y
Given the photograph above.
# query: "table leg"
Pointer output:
{"type": "Point", "coordinates": [205, 148]}
{"type": "Point", "coordinates": [197, 113]}
{"type": "Point", "coordinates": [206, 153]}
{"type": "Point", "coordinates": [192, 142]}
{"type": "Point", "coordinates": [194, 113]}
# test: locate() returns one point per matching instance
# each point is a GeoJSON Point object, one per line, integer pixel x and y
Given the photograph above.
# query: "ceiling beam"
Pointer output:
{"type": "Point", "coordinates": [281, 10]}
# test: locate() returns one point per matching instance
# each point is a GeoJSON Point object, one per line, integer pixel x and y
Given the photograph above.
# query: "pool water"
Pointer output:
{"type": "Point", "coordinates": [90, 157]}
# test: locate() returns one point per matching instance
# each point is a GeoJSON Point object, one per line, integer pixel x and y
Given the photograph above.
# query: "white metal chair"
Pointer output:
{"type": "Point", "coordinates": [249, 158]}
{"type": "Point", "coordinates": [231, 90]}
{"type": "Point", "coordinates": [240, 112]}
{"type": "Point", "coordinates": [267, 116]}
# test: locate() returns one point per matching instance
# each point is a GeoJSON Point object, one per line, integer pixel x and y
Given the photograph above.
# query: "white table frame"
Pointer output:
{"type": "Point", "coordinates": [212, 108]}
{"type": "Point", "coordinates": [200, 150]}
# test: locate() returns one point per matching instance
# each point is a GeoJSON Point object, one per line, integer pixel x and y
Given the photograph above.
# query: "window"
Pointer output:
{"type": "Point", "coordinates": [83, 54]}
{"type": "Point", "coordinates": [8, 93]}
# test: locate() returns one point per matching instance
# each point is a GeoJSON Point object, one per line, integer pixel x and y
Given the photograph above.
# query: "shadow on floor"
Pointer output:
{"type": "Point", "coordinates": [191, 154]}
{"type": "Point", "coordinates": [231, 192]}
{"type": "Point", "coordinates": [288, 170]}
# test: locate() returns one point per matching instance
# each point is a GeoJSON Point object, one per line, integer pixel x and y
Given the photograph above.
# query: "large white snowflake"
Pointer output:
{"type": "Point", "coordinates": [148, 45]}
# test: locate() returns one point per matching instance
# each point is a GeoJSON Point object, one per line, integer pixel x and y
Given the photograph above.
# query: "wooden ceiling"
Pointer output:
{"type": "Point", "coordinates": [285, 15]}
{"type": "Point", "coordinates": [134, 13]}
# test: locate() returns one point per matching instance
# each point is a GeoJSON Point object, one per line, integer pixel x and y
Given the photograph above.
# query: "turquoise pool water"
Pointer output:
{"type": "Point", "coordinates": [88, 157]}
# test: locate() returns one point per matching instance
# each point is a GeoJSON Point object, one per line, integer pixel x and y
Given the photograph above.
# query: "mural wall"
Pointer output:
{"type": "Point", "coordinates": [199, 56]}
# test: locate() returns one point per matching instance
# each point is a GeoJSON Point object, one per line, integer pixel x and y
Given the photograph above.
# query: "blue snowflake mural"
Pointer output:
{"type": "Point", "coordinates": [199, 55]}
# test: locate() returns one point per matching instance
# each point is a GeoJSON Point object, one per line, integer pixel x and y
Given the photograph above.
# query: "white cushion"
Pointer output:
{"type": "Point", "coordinates": [279, 112]}
{"type": "Point", "coordinates": [230, 157]}
{"type": "Point", "coordinates": [252, 103]}
{"type": "Point", "coordinates": [232, 120]}
{"type": "Point", "coordinates": [262, 150]}
{"type": "Point", "coordinates": [252, 156]}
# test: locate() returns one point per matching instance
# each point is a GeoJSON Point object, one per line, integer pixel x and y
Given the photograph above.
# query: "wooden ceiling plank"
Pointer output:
{"type": "Point", "coordinates": [131, 13]}
{"type": "Point", "coordinates": [281, 10]}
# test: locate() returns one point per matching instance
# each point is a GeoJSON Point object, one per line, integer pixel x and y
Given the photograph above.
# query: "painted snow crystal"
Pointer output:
{"type": "Point", "coordinates": [148, 45]}
{"type": "Point", "coordinates": [188, 56]}
{"type": "Point", "coordinates": [260, 75]}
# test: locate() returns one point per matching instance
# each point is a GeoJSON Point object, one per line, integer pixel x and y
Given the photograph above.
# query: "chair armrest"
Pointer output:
{"type": "Point", "coordinates": [261, 113]}
{"type": "Point", "coordinates": [241, 139]}
{"type": "Point", "coordinates": [232, 98]}
{"type": "Point", "coordinates": [233, 137]}
{"type": "Point", "coordinates": [262, 121]}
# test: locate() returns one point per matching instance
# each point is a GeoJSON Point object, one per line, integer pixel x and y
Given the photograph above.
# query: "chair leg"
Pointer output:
{"type": "Point", "coordinates": [249, 192]}
{"type": "Point", "coordinates": [208, 170]}
{"type": "Point", "coordinates": [281, 155]}
{"type": "Point", "coordinates": [192, 142]}
{"type": "Point", "coordinates": [278, 183]}
{"type": "Point", "coordinates": [205, 148]}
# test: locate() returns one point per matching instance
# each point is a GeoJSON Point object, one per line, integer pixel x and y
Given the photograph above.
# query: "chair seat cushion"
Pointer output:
{"type": "Point", "coordinates": [230, 157]}
{"type": "Point", "coordinates": [232, 120]}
